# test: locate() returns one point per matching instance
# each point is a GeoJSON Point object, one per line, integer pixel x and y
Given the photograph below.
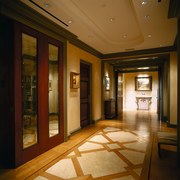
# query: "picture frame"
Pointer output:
{"type": "Point", "coordinates": [50, 85]}
{"type": "Point", "coordinates": [74, 80]}
{"type": "Point", "coordinates": [143, 83]}
{"type": "Point", "coordinates": [107, 83]}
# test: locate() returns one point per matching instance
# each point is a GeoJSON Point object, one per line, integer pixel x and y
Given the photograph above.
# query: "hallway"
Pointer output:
{"type": "Point", "coordinates": [141, 123]}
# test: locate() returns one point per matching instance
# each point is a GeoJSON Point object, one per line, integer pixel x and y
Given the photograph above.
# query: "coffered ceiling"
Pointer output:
{"type": "Point", "coordinates": [113, 26]}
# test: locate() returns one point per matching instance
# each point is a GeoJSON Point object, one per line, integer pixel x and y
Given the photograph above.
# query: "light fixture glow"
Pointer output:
{"type": "Point", "coordinates": [70, 22]}
{"type": "Point", "coordinates": [124, 36]}
{"type": "Point", "coordinates": [149, 36]}
{"type": "Point", "coordinates": [112, 19]}
{"type": "Point", "coordinates": [144, 2]}
{"type": "Point", "coordinates": [143, 68]}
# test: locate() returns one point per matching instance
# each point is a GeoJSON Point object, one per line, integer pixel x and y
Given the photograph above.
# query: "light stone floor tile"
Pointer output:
{"type": "Point", "coordinates": [89, 146]}
{"type": "Point", "coordinates": [40, 178]}
{"type": "Point", "coordinates": [137, 146]}
{"type": "Point", "coordinates": [63, 169]}
{"type": "Point", "coordinates": [101, 163]}
{"type": "Point", "coordinates": [122, 136]}
{"type": "Point", "coordinates": [71, 154]}
{"type": "Point", "coordinates": [133, 157]}
{"type": "Point", "coordinates": [125, 178]}
{"type": "Point", "coordinates": [109, 129]}
{"type": "Point", "coordinates": [138, 171]}
{"type": "Point", "coordinates": [113, 146]}
{"type": "Point", "coordinates": [143, 134]}
{"type": "Point", "coordinates": [99, 138]}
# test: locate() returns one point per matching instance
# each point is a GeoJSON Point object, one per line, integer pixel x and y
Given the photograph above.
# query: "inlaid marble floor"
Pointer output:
{"type": "Point", "coordinates": [111, 153]}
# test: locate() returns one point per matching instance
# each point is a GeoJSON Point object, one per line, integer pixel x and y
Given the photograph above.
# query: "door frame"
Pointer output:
{"type": "Point", "coordinates": [44, 142]}
{"type": "Point", "coordinates": [90, 89]}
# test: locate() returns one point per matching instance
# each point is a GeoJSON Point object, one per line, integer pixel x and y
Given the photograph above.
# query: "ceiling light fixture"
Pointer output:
{"type": "Point", "coordinates": [112, 19]}
{"type": "Point", "coordinates": [149, 36]}
{"type": "Point", "coordinates": [46, 5]}
{"type": "Point", "coordinates": [33, 2]}
{"type": "Point", "coordinates": [144, 2]}
{"type": "Point", "coordinates": [143, 68]}
{"type": "Point", "coordinates": [69, 21]}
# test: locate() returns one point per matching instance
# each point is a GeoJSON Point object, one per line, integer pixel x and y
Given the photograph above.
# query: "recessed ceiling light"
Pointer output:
{"type": "Point", "coordinates": [70, 22]}
{"type": "Point", "coordinates": [143, 68]}
{"type": "Point", "coordinates": [144, 2]}
{"type": "Point", "coordinates": [149, 36]}
{"type": "Point", "coordinates": [112, 19]}
{"type": "Point", "coordinates": [46, 5]}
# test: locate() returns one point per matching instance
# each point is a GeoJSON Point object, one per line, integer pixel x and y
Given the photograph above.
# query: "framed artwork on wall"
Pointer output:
{"type": "Point", "coordinates": [143, 83]}
{"type": "Point", "coordinates": [74, 80]}
{"type": "Point", "coordinates": [107, 83]}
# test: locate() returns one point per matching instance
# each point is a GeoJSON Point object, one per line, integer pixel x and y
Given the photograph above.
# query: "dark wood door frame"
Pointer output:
{"type": "Point", "coordinates": [82, 62]}
{"type": "Point", "coordinates": [44, 142]}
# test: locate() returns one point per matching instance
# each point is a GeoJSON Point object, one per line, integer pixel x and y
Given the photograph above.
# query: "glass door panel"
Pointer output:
{"type": "Point", "coordinates": [53, 90]}
{"type": "Point", "coordinates": [29, 90]}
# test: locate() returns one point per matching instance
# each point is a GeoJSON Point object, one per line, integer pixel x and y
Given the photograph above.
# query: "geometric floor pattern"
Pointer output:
{"type": "Point", "coordinates": [111, 153]}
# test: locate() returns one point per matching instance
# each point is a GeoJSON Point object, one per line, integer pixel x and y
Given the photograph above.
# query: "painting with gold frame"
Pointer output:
{"type": "Point", "coordinates": [143, 83]}
{"type": "Point", "coordinates": [74, 80]}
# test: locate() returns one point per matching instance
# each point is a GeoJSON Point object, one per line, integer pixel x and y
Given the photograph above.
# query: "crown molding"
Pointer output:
{"type": "Point", "coordinates": [22, 13]}
{"type": "Point", "coordinates": [138, 52]}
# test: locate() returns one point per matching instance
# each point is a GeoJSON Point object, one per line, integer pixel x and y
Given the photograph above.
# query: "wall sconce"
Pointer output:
{"type": "Point", "coordinates": [107, 83]}
{"type": "Point", "coordinates": [74, 80]}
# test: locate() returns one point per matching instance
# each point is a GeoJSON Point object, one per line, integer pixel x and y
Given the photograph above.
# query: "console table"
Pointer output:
{"type": "Point", "coordinates": [143, 103]}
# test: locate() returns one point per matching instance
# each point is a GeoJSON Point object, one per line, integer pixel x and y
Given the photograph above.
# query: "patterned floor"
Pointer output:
{"type": "Point", "coordinates": [111, 153]}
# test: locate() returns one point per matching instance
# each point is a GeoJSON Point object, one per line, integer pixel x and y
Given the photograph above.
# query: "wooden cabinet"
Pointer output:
{"type": "Point", "coordinates": [110, 108]}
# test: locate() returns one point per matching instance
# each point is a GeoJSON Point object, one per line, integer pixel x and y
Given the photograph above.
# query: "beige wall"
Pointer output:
{"type": "Point", "coordinates": [74, 55]}
{"type": "Point", "coordinates": [129, 93]}
{"type": "Point", "coordinates": [173, 88]}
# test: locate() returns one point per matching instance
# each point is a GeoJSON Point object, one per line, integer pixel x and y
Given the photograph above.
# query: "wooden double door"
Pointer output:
{"type": "Point", "coordinates": [38, 86]}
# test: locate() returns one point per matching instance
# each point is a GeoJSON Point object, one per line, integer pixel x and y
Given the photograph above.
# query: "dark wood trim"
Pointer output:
{"type": "Point", "coordinates": [174, 9]}
{"type": "Point", "coordinates": [138, 52]}
{"type": "Point", "coordinates": [171, 125]}
{"type": "Point", "coordinates": [178, 90]}
{"type": "Point", "coordinates": [168, 90]}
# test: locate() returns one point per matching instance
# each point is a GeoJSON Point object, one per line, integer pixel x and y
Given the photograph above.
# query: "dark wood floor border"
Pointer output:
{"type": "Point", "coordinates": [147, 160]}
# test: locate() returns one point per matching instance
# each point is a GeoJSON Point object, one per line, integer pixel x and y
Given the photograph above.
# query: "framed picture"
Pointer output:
{"type": "Point", "coordinates": [74, 80]}
{"type": "Point", "coordinates": [143, 83]}
{"type": "Point", "coordinates": [107, 83]}
{"type": "Point", "coordinates": [50, 85]}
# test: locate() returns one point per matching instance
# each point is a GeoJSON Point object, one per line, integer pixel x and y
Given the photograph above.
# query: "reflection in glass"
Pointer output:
{"type": "Point", "coordinates": [29, 90]}
{"type": "Point", "coordinates": [53, 91]}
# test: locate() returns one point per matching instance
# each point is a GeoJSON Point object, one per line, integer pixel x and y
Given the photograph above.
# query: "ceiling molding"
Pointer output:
{"type": "Point", "coordinates": [22, 13]}
{"type": "Point", "coordinates": [138, 52]}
